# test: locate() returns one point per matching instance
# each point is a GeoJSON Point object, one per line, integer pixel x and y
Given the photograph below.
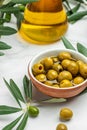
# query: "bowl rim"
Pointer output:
{"type": "Point", "coordinates": [51, 50]}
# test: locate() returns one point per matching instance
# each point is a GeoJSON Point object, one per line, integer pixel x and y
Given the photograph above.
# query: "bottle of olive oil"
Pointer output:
{"type": "Point", "coordinates": [45, 21]}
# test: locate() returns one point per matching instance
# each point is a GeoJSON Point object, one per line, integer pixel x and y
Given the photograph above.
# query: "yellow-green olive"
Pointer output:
{"type": "Point", "coordinates": [64, 75]}
{"type": "Point", "coordinates": [41, 77]}
{"type": "Point", "coordinates": [73, 67]}
{"type": "Point", "coordinates": [65, 63]}
{"type": "Point", "coordinates": [57, 67]}
{"type": "Point", "coordinates": [55, 85]}
{"type": "Point", "coordinates": [48, 62]}
{"type": "Point", "coordinates": [38, 68]}
{"type": "Point", "coordinates": [66, 114]}
{"type": "Point", "coordinates": [61, 126]}
{"type": "Point", "coordinates": [78, 80]}
{"type": "Point", "coordinates": [52, 74]}
{"type": "Point", "coordinates": [64, 55]}
{"type": "Point", "coordinates": [49, 83]}
{"type": "Point", "coordinates": [80, 62]}
{"type": "Point", "coordinates": [65, 83]}
{"type": "Point", "coordinates": [83, 70]}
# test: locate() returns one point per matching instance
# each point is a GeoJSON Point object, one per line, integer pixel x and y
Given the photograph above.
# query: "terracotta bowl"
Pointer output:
{"type": "Point", "coordinates": [53, 91]}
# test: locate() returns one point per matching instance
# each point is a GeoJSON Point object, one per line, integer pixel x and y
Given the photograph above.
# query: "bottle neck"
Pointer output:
{"type": "Point", "coordinates": [46, 6]}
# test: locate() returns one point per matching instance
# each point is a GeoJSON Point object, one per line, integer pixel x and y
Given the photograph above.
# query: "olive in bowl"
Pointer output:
{"type": "Point", "coordinates": [59, 72]}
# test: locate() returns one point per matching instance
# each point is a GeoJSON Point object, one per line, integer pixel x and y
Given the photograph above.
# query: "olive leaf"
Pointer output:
{"type": "Point", "coordinates": [16, 91]}
{"type": "Point", "coordinates": [10, 10]}
{"type": "Point", "coordinates": [53, 100]}
{"type": "Point", "coordinates": [23, 122]}
{"type": "Point", "coordinates": [12, 92]}
{"type": "Point", "coordinates": [4, 46]}
{"type": "Point", "coordinates": [67, 44]}
{"type": "Point", "coordinates": [8, 109]}
{"type": "Point", "coordinates": [81, 1]}
{"type": "Point", "coordinates": [19, 17]}
{"type": "Point", "coordinates": [23, 1]}
{"type": "Point", "coordinates": [67, 2]}
{"type": "Point", "coordinates": [30, 89]}
{"type": "Point", "coordinates": [6, 1]}
{"type": "Point", "coordinates": [82, 49]}
{"type": "Point", "coordinates": [7, 17]}
{"type": "Point", "coordinates": [5, 30]}
{"type": "Point", "coordinates": [73, 10]}
{"type": "Point", "coordinates": [12, 124]}
{"type": "Point", "coordinates": [77, 16]}
{"type": "Point", "coordinates": [27, 88]}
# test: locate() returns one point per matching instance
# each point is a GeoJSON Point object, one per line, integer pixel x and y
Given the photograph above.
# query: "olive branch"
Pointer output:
{"type": "Point", "coordinates": [29, 110]}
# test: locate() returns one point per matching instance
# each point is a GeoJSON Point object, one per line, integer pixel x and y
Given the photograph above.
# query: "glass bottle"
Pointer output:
{"type": "Point", "coordinates": [45, 21]}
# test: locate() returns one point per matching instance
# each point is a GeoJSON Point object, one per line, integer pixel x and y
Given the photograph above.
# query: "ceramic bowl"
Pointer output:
{"type": "Point", "coordinates": [53, 91]}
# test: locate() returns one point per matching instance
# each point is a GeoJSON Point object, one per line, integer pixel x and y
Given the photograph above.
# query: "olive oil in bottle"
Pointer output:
{"type": "Point", "coordinates": [45, 21]}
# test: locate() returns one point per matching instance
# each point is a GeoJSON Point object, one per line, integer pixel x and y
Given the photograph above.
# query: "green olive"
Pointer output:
{"type": "Point", "coordinates": [73, 67]}
{"type": "Point", "coordinates": [38, 68]}
{"type": "Point", "coordinates": [64, 55]}
{"type": "Point", "coordinates": [49, 83]}
{"type": "Point", "coordinates": [61, 126]}
{"type": "Point", "coordinates": [55, 85]}
{"type": "Point", "coordinates": [48, 62]}
{"type": "Point", "coordinates": [64, 75]}
{"type": "Point", "coordinates": [78, 80]}
{"type": "Point", "coordinates": [52, 74]}
{"type": "Point", "coordinates": [41, 77]}
{"type": "Point", "coordinates": [65, 63]}
{"type": "Point", "coordinates": [57, 67]}
{"type": "Point", "coordinates": [80, 62]}
{"type": "Point", "coordinates": [65, 83]}
{"type": "Point", "coordinates": [66, 114]}
{"type": "Point", "coordinates": [83, 70]}
{"type": "Point", "coordinates": [33, 111]}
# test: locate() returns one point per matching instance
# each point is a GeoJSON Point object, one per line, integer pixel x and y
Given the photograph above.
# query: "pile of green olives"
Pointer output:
{"type": "Point", "coordinates": [60, 71]}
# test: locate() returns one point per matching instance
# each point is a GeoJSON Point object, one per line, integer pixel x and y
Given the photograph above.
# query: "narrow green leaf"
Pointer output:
{"type": "Point", "coordinates": [77, 16]}
{"type": "Point", "coordinates": [23, 122]}
{"type": "Point", "coordinates": [5, 30]}
{"type": "Point", "coordinates": [12, 92]}
{"type": "Point", "coordinates": [67, 2]}
{"type": "Point", "coordinates": [4, 46]}
{"type": "Point", "coordinates": [16, 90]}
{"type": "Point", "coordinates": [2, 20]}
{"type": "Point", "coordinates": [7, 17]}
{"type": "Point", "coordinates": [26, 88]}
{"type": "Point", "coordinates": [6, 1]}
{"type": "Point", "coordinates": [10, 4]}
{"type": "Point", "coordinates": [81, 1]}
{"type": "Point", "coordinates": [67, 44]}
{"type": "Point", "coordinates": [19, 17]}
{"type": "Point", "coordinates": [53, 100]}
{"type": "Point", "coordinates": [82, 49]}
{"type": "Point", "coordinates": [1, 53]}
{"type": "Point", "coordinates": [12, 124]}
{"type": "Point", "coordinates": [23, 1]}
{"type": "Point", "coordinates": [30, 89]}
{"type": "Point", "coordinates": [75, 9]}
{"type": "Point", "coordinates": [10, 10]}
{"type": "Point", "coordinates": [8, 110]}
